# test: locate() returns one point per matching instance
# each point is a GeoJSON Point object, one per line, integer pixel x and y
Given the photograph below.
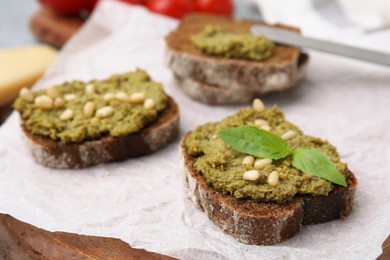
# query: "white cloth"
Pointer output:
{"type": "Point", "coordinates": [356, 22]}
{"type": "Point", "coordinates": [143, 202]}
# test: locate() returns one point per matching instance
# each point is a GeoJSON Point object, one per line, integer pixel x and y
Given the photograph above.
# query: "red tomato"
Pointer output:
{"type": "Point", "coordinates": [135, 2]}
{"type": "Point", "coordinates": [174, 8]}
{"type": "Point", "coordinates": [92, 4]}
{"type": "Point", "coordinates": [224, 7]}
{"type": "Point", "coordinates": [67, 7]}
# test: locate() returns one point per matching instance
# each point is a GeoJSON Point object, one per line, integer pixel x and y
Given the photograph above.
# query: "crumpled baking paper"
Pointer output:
{"type": "Point", "coordinates": [143, 201]}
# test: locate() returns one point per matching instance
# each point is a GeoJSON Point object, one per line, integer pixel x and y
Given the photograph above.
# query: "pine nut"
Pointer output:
{"type": "Point", "coordinates": [70, 97]}
{"type": "Point", "coordinates": [52, 92]}
{"type": "Point", "coordinates": [89, 109]}
{"type": "Point", "coordinates": [289, 134]}
{"type": "Point", "coordinates": [261, 122]}
{"type": "Point", "coordinates": [258, 105]}
{"type": "Point", "coordinates": [122, 96]}
{"type": "Point", "coordinates": [104, 112]}
{"type": "Point", "coordinates": [260, 163]}
{"type": "Point", "coordinates": [266, 128]}
{"type": "Point", "coordinates": [66, 115]}
{"type": "Point", "coordinates": [137, 98]}
{"type": "Point", "coordinates": [149, 103]}
{"type": "Point", "coordinates": [44, 102]}
{"type": "Point", "coordinates": [108, 97]}
{"type": "Point", "coordinates": [94, 120]}
{"type": "Point", "coordinates": [248, 160]}
{"type": "Point", "coordinates": [90, 88]}
{"type": "Point", "coordinates": [59, 102]}
{"type": "Point", "coordinates": [273, 178]}
{"type": "Point", "coordinates": [251, 175]}
{"type": "Point", "coordinates": [26, 95]}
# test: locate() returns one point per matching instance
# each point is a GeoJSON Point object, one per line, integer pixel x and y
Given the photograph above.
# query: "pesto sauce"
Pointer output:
{"type": "Point", "coordinates": [126, 119]}
{"type": "Point", "coordinates": [215, 41]}
{"type": "Point", "coordinates": [223, 169]}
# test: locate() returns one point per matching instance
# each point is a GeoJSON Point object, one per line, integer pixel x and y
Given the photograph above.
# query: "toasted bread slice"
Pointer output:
{"type": "Point", "coordinates": [282, 70]}
{"type": "Point", "coordinates": [261, 223]}
{"type": "Point", "coordinates": [106, 149]}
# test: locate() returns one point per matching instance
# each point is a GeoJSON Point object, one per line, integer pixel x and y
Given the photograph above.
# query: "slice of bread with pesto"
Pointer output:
{"type": "Point", "coordinates": [77, 124]}
{"type": "Point", "coordinates": [254, 197]}
{"type": "Point", "coordinates": [213, 54]}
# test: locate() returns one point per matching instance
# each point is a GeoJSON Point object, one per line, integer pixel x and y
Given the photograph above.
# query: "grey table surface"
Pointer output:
{"type": "Point", "coordinates": [15, 18]}
{"type": "Point", "coordinates": [14, 22]}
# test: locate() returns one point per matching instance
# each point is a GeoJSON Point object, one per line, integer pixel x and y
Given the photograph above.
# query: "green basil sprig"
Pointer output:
{"type": "Point", "coordinates": [261, 143]}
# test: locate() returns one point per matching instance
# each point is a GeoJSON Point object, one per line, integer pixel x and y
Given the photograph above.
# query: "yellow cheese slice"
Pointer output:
{"type": "Point", "coordinates": [21, 67]}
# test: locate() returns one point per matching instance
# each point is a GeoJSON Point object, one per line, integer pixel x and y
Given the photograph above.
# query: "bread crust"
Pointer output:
{"type": "Point", "coordinates": [215, 95]}
{"type": "Point", "coordinates": [212, 95]}
{"type": "Point", "coordinates": [108, 148]}
{"type": "Point", "coordinates": [264, 223]}
{"type": "Point", "coordinates": [278, 72]}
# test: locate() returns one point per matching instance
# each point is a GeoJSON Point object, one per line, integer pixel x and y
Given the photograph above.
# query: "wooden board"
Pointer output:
{"type": "Point", "coordinates": [19, 240]}
{"type": "Point", "coordinates": [53, 28]}
{"type": "Point", "coordinates": [5, 111]}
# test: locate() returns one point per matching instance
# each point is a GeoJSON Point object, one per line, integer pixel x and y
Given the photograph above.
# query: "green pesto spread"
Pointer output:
{"type": "Point", "coordinates": [223, 167]}
{"type": "Point", "coordinates": [127, 117]}
{"type": "Point", "coordinates": [215, 41]}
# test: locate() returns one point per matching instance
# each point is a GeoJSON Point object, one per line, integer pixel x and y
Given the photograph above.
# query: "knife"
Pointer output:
{"type": "Point", "coordinates": [293, 38]}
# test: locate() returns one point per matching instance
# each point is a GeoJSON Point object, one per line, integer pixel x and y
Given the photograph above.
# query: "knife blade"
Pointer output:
{"type": "Point", "coordinates": [293, 38]}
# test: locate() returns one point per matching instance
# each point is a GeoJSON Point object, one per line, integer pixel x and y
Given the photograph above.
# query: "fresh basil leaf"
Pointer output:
{"type": "Point", "coordinates": [256, 142]}
{"type": "Point", "coordinates": [312, 161]}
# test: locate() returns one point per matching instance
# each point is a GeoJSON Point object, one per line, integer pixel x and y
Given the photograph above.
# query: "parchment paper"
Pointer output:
{"type": "Point", "coordinates": [143, 202]}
